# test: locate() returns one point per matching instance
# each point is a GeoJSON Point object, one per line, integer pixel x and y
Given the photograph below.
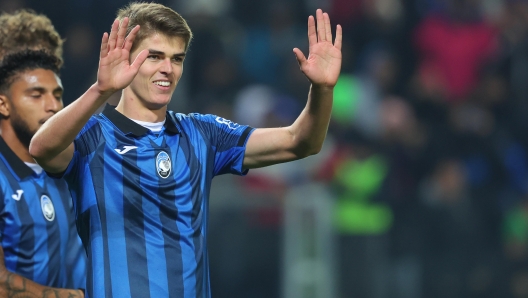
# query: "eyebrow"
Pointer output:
{"type": "Point", "coordinates": [152, 51]}
{"type": "Point", "coordinates": [42, 89]}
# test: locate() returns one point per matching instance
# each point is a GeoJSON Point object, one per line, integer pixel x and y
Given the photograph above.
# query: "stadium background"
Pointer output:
{"type": "Point", "coordinates": [421, 188]}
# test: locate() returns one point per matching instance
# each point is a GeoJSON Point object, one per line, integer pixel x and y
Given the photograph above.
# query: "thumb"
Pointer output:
{"type": "Point", "coordinates": [301, 59]}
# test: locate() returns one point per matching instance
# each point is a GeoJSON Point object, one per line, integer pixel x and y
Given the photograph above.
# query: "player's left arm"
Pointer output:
{"type": "Point", "coordinates": [268, 146]}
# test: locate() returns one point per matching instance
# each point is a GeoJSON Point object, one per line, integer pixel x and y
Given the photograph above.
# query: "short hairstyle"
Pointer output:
{"type": "Point", "coordinates": [25, 29]}
{"type": "Point", "coordinates": [154, 18]}
{"type": "Point", "coordinates": [17, 63]}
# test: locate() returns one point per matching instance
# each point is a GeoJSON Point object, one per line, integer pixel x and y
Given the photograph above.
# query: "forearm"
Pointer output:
{"type": "Point", "coordinates": [60, 131]}
{"type": "Point", "coordinates": [310, 128]}
{"type": "Point", "coordinates": [13, 285]}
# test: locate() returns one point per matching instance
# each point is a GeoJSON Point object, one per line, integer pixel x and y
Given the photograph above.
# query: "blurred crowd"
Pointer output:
{"type": "Point", "coordinates": [427, 151]}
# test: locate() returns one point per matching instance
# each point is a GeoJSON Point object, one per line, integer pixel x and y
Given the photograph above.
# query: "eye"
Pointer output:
{"type": "Point", "coordinates": [153, 57]}
{"type": "Point", "coordinates": [35, 95]}
{"type": "Point", "coordinates": [177, 60]}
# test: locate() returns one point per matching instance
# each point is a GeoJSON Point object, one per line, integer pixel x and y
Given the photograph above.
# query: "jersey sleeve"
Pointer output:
{"type": "Point", "coordinates": [85, 144]}
{"type": "Point", "coordinates": [227, 140]}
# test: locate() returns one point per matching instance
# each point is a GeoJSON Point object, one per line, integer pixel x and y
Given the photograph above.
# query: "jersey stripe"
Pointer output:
{"type": "Point", "coordinates": [193, 165]}
{"type": "Point", "coordinates": [64, 207]}
{"type": "Point", "coordinates": [134, 226]}
{"type": "Point", "coordinates": [27, 237]}
{"type": "Point", "coordinates": [113, 206]}
{"type": "Point", "coordinates": [53, 240]}
{"type": "Point", "coordinates": [170, 233]}
{"type": "Point", "coordinates": [100, 228]}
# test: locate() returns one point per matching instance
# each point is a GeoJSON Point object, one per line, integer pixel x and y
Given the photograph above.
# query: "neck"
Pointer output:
{"type": "Point", "coordinates": [133, 108]}
{"type": "Point", "coordinates": [11, 139]}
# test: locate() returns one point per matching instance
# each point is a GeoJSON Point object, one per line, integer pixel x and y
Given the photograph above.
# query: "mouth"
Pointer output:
{"type": "Point", "coordinates": [163, 84]}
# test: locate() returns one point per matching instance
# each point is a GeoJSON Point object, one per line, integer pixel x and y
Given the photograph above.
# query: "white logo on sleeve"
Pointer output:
{"type": "Point", "coordinates": [18, 195]}
{"type": "Point", "coordinates": [47, 208]}
{"type": "Point", "coordinates": [125, 149]}
{"type": "Point", "coordinates": [229, 123]}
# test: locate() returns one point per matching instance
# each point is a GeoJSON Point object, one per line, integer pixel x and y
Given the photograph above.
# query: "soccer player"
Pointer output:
{"type": "Point", "coordinates": [140, 175]}
{"type": "Point", "coordinates": [41, 254]}
{"type": "Point", "coordinates": [33, 251]}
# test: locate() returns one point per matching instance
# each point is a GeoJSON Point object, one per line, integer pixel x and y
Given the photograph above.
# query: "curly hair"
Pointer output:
{"type": "Point", "coordinates": [154, 18]}
{"type": "Point", "coordinates": [25, 29]}
{"type": "Point", "coordinates": [16, 63]}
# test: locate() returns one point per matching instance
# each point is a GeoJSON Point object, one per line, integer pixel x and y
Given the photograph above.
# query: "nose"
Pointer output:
{"type": "Point", "coordinates": [52, 104]}
{"type": "Point", "coordinates": [166, 66]}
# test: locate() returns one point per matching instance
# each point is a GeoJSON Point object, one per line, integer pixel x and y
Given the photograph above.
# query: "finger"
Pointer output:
{"type": "Point", "coordinates": [301, 59]}
{"type": "Point", "coordinates": [121, 33]}
{"type": "Point", "coordinates": [113, 35]}
{"type": "Point", "coordinates": [321, 34]}
{"type": "Point", "coordinates": [140, 58]}
{"type": "Point", "coordinates": [104, 46]}
{"type": "Point", "coordinates": [312, 35]}
{"type": "Point", "coordinates": [129, 40]}
{"type": "Point", "coordinates": [328, 27]}
{"type": "Point", "coordinates": [339, 37]}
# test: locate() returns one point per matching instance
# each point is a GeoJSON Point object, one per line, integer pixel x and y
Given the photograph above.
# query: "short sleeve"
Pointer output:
{"type": "Point", "coordinates": [228, 140]}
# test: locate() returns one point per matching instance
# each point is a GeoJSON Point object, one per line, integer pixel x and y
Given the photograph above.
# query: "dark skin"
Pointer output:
{"type": "Point", "coordinates": [31, 99]}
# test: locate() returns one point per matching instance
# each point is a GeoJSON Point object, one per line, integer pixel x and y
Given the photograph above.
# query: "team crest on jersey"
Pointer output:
{"type": "Point", "coordinates": [47, 208]}
{"type": "Point", "coordinates": [163, 164]}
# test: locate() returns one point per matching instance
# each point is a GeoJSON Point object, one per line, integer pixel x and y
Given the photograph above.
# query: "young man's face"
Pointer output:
{"type": "Point", "coordinates": [33, 98]}
{"type": "Point", "coordinates": [160, 73]}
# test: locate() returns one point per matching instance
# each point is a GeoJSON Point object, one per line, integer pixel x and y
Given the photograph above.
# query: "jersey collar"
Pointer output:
{"type": "Point", "coordinates": [128, 126]}
{"type": "Point", "coordinates": [16, 164]}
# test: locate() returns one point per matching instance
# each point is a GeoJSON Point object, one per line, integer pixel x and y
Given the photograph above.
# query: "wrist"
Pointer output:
{"type": "Point", "coordinates": [101, 91]}
{"type": "Point", "coordinates": [322, 88]}
{"type": "Point", "coordinates": [101, 94]}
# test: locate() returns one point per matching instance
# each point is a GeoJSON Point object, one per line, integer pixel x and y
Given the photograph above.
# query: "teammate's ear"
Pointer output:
{"type": "Point", "coordinates": [4, 106]}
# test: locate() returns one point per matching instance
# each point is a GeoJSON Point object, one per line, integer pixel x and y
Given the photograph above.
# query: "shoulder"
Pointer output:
{"type": "Point", "coordinates": [197, 120]}
{"type": "Point", "coordinates": [191, 117]}
{"type": "Point", "coordinates": [92, 123]}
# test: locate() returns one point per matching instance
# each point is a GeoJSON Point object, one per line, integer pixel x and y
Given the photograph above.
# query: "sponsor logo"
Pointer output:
{"type": "Point", "coordinates": [47, 208]}
{"type": "Point", "coordinates": [18, 195]}
{"type": "Point", "coordinates": [163, 164]}
{"type": "Point", "coordinates": [229, 123]}
{"type": "Point", "coordinates": [125, 149]}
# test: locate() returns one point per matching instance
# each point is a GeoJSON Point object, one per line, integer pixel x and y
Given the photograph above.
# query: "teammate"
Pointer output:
{"type": "Point", "coordinates": [39, 242]}
{"type": "Point", "coordinates": [38, 238]}
{"type": "Point", "coordinates": [140, 175]}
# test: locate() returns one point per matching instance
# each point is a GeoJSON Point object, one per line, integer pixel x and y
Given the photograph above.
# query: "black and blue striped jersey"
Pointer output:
{"type": "Point", "coordinates": [141, 200]}
{"type": "Point", "coordinates": [37, 226]}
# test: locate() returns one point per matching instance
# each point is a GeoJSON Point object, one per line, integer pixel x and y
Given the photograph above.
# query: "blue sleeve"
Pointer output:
{"type": "Point", "coordinates": [228, 141]}
{"type": "Point", "coordinates": [85, 144]}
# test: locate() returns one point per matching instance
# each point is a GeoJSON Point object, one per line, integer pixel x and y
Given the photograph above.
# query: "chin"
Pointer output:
{"type": "Point", "coordinates": [158, 103]}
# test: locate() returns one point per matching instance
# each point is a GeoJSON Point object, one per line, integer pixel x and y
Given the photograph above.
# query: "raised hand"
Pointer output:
{"type": "Point", "coordinates": [324, 60]}
{"type": "Point", "coordinates": [115, 71]}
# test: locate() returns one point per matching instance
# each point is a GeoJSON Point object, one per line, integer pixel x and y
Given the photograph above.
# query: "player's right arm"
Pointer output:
{"type": "Point", "coordinates": [52, 145]}
{"type": "Point", "coordinates": [14, 285]}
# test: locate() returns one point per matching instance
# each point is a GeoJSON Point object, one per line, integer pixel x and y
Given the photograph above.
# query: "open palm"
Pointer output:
{"type": "Point", "coordinates": [115, 71]}
{"type": "Point", "coordinates": [323, 65]}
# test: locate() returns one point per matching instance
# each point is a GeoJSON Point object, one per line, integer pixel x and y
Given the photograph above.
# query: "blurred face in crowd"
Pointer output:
{"type": "Point", "coordinates": [158, 77]}
{"type": "Point", "coordinates": [32, 98]}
